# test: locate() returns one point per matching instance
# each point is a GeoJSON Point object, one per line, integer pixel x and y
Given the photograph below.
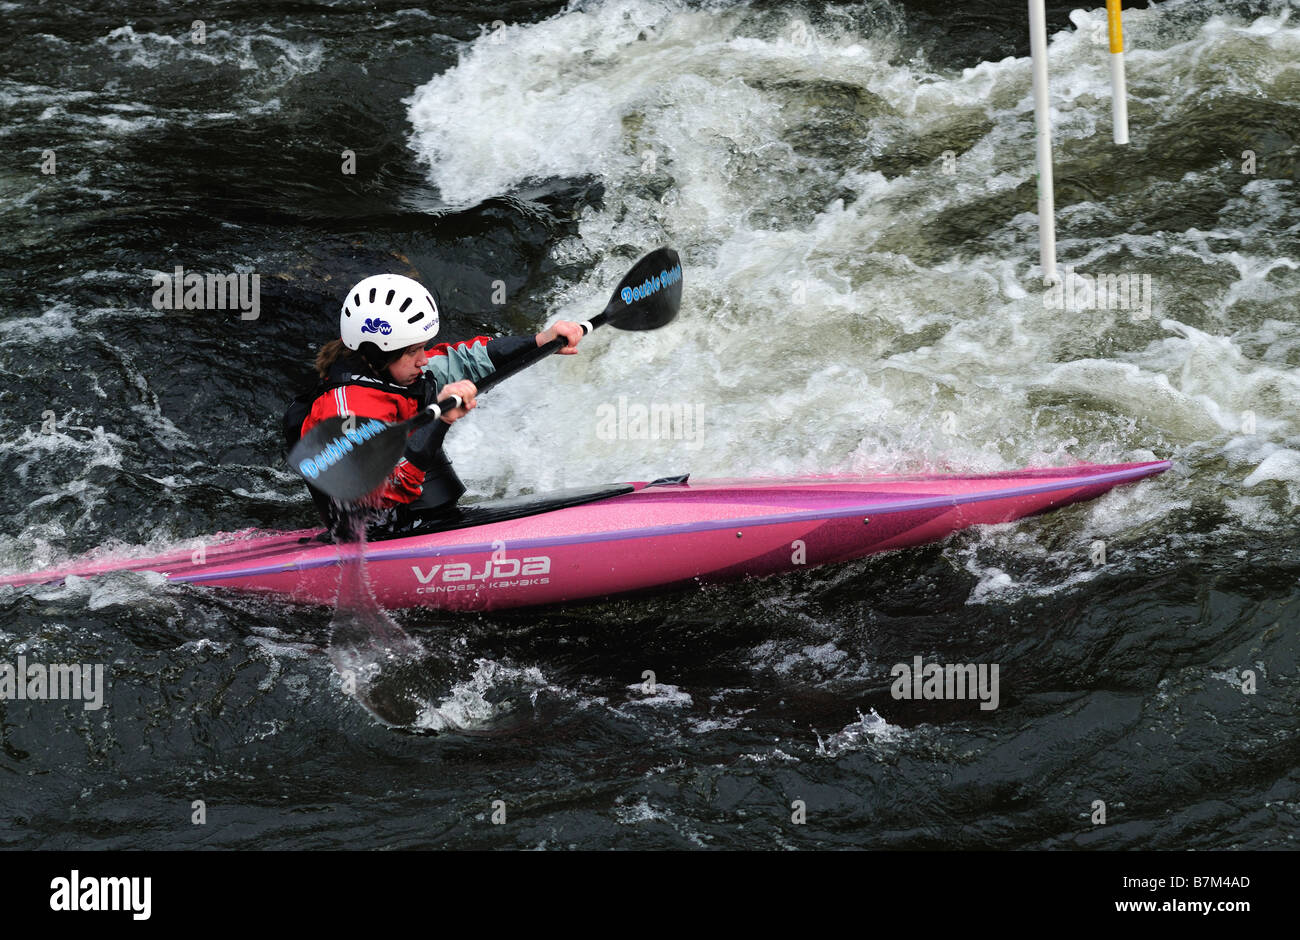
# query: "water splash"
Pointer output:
{"type": "Point", "coordinates": [373, 655]}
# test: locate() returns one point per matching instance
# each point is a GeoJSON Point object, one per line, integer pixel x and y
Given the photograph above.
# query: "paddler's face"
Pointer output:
{"type": "Point", "coordinates": [408, 368]}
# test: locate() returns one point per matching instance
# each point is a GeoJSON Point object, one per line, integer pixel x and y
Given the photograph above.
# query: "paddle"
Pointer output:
{"type": "Point", "coordinates": [349, 458]}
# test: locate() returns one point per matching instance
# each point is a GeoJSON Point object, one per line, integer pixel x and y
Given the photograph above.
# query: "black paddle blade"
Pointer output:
{"type": "Point", "coordinates": [650, 295]}
{"type": "Point", "coordinates": [349, 458]}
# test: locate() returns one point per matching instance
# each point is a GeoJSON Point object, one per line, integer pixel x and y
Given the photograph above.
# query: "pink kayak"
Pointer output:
{"type": "Point", "coordinates": [627, 538]}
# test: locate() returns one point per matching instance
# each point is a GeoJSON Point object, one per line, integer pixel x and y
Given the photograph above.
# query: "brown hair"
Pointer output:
{"type": "Point", "coordinates": [329, 354]}
{"type": "Point", "coordinates": [334, 350]}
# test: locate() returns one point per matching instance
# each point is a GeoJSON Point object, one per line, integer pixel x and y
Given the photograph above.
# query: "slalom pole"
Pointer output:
{"type": "Point", "coordinates": [1118, 88]}
{"type": "Point", "coordinates": [1043, 124]}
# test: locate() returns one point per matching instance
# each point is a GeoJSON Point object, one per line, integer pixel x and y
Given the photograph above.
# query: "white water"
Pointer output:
{"type": "Point", "coordinates": [811, 335]}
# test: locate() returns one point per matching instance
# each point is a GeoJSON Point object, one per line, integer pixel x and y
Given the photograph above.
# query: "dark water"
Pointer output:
{"type": "Point", "coordinates": [1119, 683]}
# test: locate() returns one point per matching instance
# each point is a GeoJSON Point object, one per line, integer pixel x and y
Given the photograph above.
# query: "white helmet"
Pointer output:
{"type": "Point", "coordinates": [389, 310]}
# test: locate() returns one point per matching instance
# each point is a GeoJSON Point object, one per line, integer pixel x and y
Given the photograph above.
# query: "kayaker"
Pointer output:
{"type": "Point", "coordinates": [384, 366]}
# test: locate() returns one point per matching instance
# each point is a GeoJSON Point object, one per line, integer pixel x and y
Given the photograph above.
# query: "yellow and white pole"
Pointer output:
{"type": "Point", "coordinates": [1118, 88]}
{"type": "Point", "coordinates": [1043, 125]}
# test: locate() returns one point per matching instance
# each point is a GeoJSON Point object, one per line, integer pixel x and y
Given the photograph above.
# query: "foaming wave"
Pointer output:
{"type": "Point", "coordinates": [493, 693]}
{"type": "Point", "coordinates": [274, 59]}
{"type": "Point", "coordinates": [870, 733]}
{"type": "Point", "coordinates": [855, 299]}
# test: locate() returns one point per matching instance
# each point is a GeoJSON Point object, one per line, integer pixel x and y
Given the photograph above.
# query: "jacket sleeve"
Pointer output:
{"type": "Point", "coordinates": [403, 485]}
{"type": "Point", "coordinates": [406, 481]}
{"type": "Point", "coordinates": [474, 359]}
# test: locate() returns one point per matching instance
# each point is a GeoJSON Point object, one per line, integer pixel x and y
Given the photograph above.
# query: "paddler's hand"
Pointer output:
{"type": "Point", "coordinates": [566, 328]}
{"type": "Point", "coordinates": [466, 390]}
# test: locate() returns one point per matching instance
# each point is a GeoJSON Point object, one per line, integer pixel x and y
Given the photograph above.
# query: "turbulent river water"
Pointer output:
{"type": "Point", "coordinates": [852, 191]}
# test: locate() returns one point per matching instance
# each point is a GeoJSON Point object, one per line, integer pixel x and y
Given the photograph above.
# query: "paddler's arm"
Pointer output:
{"type": "Point", "coordinates": [475, 359]}
{"type": "Point", "coordinates": [472, 359]}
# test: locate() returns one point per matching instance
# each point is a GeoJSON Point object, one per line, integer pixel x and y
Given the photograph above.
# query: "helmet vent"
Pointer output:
{"type": "Point", "coordinates": [389, 299]}
{"type": "Point", "coordinates": [372, 295]}
{"type": "Point", "coordinates": [417, 318]}
{"type": "Point", "coordinates": [405, 303]}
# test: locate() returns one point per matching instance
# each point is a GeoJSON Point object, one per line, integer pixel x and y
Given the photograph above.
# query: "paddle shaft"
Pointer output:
{"type": "Point", "coordinates": [518, 364]}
